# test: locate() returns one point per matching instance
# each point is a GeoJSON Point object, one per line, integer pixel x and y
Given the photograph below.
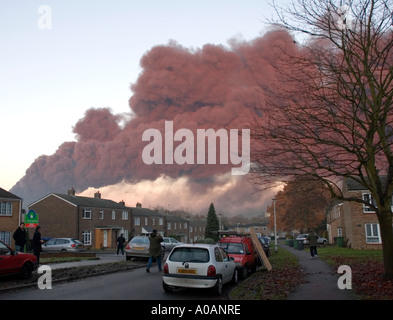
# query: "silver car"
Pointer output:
{"type": "Point", "coordinates": [138, 247]}
{"type": "Point", "coordinates": [170, 243]}
{"type": "Point", "coordinates": [63, 245]}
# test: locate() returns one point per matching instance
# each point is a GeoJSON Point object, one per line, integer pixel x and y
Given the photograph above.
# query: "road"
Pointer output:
{"type": "Point", "coordinates": [134, 284]}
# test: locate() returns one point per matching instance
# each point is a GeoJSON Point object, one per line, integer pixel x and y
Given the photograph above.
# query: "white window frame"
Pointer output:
{"type": "Point", "coordinates": [113, 215]}
{"type": "Point", "coordinates": [86, 237]}
{"type": "Point", "coordinates": [5, 208]}
{"type": "Point", "coordinates": [161, 221]}
{"type": "Point", "coordinates": [86, 214]}
{"type": "Point", "coordinates": [374, 236]}
{"type": "Point", "coordinates": [124, 215]}
{"type": "Point", "coordinates": [101, 214]}
{"type": "Point", "coordinates": [137, 221]}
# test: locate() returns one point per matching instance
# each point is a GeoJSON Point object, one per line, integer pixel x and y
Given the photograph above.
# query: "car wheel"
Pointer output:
{"type": "Point", "coordinates": [217, 289]}
{"type": "Point", "coordinates": [244, 272]}
{"type": "Point", "coordinates": [26, 271]}
{"type": "Point", "coordinates": [166, 287]}
{"type": "Point", "coordinates": [235, 276]}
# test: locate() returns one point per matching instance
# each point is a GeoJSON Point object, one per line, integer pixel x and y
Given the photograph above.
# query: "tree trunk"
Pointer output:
{"type": "Point", "coordinates": [385, 224]}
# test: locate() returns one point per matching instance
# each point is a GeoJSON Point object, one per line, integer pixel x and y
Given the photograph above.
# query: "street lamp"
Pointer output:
{"type": "Point", "coordinates": [275, 225]}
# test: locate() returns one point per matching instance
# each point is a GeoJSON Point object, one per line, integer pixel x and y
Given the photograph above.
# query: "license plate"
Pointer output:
{"type": "Point", "coordinates": [138, 248]}
{"type": "Point", "coordinates": [186, 271]}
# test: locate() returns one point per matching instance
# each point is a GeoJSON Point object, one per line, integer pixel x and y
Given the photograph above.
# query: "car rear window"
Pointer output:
{"type": "Point", "coordinates": [190, 255]}
{"type": "Point", "coordinates": [140, 240]}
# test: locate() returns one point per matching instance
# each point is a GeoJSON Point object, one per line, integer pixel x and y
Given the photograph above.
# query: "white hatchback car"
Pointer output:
{"type": "Point", "coordinates": [198, 266]}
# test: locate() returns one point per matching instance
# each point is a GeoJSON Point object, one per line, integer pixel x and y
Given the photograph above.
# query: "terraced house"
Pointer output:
{"type": "Point", "coordinates": [356, 223]}
{"type": "Point", "coordinates": [10, 215]}
{"type": "Point", "coordinates": [96, 221]}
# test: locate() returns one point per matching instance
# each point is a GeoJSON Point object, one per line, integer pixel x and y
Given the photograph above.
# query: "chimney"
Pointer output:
{"type": "Point", "coordinates": [122, 203]}
{"type": "Point", "coordinates": [71, 192]}
{"type": "Point", "coordinates": [97, 195]}
{"type": "Point", "coordinates": [139, 205]}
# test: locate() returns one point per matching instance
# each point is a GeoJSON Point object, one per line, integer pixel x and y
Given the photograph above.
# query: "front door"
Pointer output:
{"type": "Point", "coordinates": [105, 236]}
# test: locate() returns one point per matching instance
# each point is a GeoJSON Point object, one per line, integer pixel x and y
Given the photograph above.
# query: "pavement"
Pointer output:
{"type": "Point", "coordinates": [321, 280]}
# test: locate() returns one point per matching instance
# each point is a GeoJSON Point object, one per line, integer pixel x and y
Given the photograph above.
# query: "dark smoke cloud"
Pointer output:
{"type": "Point", "coordinates": [211, 87]}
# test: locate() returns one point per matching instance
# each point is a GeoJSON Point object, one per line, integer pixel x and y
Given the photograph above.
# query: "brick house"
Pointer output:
{"type": "Point", "coordinates": [178, 227]}
{"type": "Point", "coordinates": [144, 221]}
{"type": "Point", "coordinates": [197, 229]}
{"type": "Point", "coordinates": [10, 215]}
{"type": "Point", "coordinates": [95, 221]}
{"type": "Point", "coordinates": [355, 222]}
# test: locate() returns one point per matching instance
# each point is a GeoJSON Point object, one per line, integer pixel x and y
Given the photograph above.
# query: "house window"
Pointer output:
{"type": "Point", "coordinates": [101, 214]}
{"type": "Point", "coordinates": [113, 214]}
{"type": "Point", "coordinates": [5, 236]}
{"type": "Point", "coordinates": [169, 226]}
{"type": "Point", "coordinates": [86, 237]}
{"type": "Point", "coordinates": [124, 215]}
{"type": "Point", "coordinates": [137, 221]}
{"type": "Point", "coordinates": [86, 214]}
{"type": "Point", "coordinates": [153, 221]}
{"type": "Point", "coordinates": [5, 208]}
{"type": "Point", "coordinates": [161, 221]}
{"type": "Point", "coordinates": [369, 199]}
{"type": "Point", "coordinates": [146, 221]}
{"type": "Point", "coordinates": [339, 232]}
{"type": "Point", "coordinates": [372, 233]}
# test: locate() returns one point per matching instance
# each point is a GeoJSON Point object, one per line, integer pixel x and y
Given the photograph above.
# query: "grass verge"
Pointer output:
{"type": "Point", "coordinates": [273, 285]}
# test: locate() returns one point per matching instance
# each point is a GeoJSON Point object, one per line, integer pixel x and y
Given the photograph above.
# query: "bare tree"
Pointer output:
{"type": "Point", "coordinates": [330, 115]}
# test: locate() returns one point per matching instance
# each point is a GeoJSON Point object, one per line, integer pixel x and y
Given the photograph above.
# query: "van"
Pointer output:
{"type": "Point", "coordinates": [242, 249]}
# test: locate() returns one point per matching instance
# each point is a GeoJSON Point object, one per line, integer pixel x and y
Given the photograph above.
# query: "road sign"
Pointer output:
{"type": "Point", "coordinates": [31, 219]}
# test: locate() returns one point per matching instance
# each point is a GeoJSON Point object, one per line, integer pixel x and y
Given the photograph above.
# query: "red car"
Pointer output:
{"type": "Point", "coordinates": [243, 251]}
{"type": "Point", "coordinates": [12, 262]}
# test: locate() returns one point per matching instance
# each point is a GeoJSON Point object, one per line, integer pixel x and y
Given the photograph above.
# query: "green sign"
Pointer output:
{"type": "Point", "coordinates": [31, 219]}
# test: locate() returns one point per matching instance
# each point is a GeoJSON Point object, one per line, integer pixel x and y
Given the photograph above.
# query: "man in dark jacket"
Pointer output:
{"type": "Point", "coordinates": [37, 243]}
{"type": "Point", "coordinates": [120, 244]}
{"type": "Point", "coordinates": [313, 243]}
{"type": "Point", "coordinates": [20, 238]}
{"type": "Point", "coordinates": [155, 250]}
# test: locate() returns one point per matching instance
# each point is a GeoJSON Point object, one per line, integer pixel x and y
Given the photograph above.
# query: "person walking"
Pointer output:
{"type": "Point", "coordinates": [20, 238]}
{"type": "Point", "coordinates": [120, 244]}
{"type": "Point", "coordinates": [313, 243]}
{"type": "Point", "coordinates": [37, 243]}
{"type": "Point", "coordinates": [155, 250]}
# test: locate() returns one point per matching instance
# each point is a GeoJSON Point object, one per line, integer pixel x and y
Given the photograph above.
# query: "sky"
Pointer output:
{"type": "Point", "coordinates": [60, 58]}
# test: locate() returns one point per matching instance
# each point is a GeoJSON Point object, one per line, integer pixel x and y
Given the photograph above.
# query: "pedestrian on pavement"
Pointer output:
{"type": "Point", "coordinates": [313, 243]}
{"type": "Point", "coordinates": [20, 238]}
{"type": "Point", "coordinates": [155, 250]}
{"type": "Point", "coordinates": [120, 244]}
{"type": "Point", "coordinates": [37, 243]}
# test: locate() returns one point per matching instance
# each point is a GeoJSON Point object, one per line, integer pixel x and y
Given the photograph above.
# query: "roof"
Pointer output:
{"type": "Point", "coordinates": [4, 194]}
{"type": "Point", "coordinates": [145, 212]}
{"type": "Point", "coordinates": [354, 185]}
{"type": "Point", "coordinates": [86, 201]}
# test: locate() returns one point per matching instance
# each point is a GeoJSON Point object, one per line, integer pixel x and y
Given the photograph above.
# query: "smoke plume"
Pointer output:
{"type": "Point", "coordinates": [210, 87]}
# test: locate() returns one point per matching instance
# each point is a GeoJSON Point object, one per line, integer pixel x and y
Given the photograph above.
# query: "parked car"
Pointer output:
{"type": "Point", "coordinates": [169, 243]}
{"type": "Point", "coordinates": [198, 266]}
{"type": "Point", "coordinates": [303, 236]}
{"type": "Point", "coordinates": [12, 262]}
{"type": "Point", "coordinates": [63, 245]}
{"type": "Point", "coordinates": [265, 245]}
{"type": "Point", "coordinates": [138, 247]}
{"type": "Point", "coordinates": [243, 251]}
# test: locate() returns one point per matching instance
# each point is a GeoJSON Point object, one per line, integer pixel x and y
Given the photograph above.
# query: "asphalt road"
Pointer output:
{"type": "Point", "coordinates": [134, 284]}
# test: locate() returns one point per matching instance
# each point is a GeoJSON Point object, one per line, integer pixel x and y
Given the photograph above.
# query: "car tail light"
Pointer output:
{"type": "Point", "coordinates": [73, 245]}
{"type": "Point", "coordinates": [211, 271]}
{"type": "Point", "coordinates": [166, 269]}
{"type": "Point", "coordinates": [128, 247]}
